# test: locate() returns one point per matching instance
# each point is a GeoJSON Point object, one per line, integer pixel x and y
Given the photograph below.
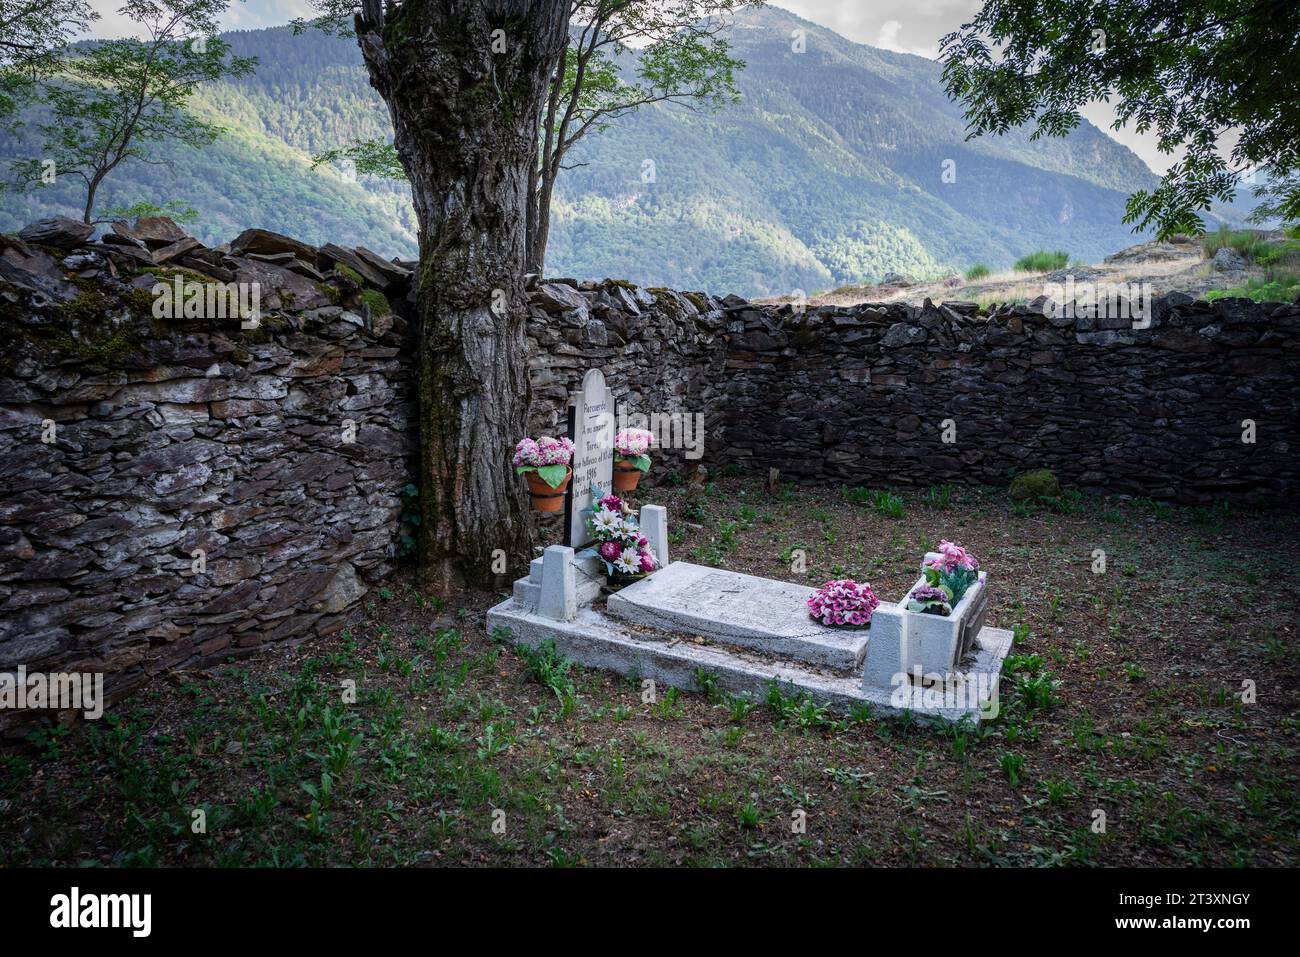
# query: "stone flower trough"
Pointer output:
{"type": "Point", "coordinates": [922, 645]}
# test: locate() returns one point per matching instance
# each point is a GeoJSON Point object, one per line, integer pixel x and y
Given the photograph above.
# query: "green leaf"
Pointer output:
{"type": "Point", "coordinates": [641, 462]}
{"type": "Point", "coordinates": [552, 475]}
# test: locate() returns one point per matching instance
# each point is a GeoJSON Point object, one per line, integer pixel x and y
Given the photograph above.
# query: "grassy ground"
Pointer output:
{"type": "Point", "coordinates": [1124, 697]}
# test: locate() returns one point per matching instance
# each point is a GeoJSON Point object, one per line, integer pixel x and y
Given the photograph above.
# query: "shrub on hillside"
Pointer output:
{"type": "Point", "coordinates": [1042, 261]}
{"type": "Point", "coordinates": [978, 271]}
{"type": "Point", "coordinates": [1247, 242]}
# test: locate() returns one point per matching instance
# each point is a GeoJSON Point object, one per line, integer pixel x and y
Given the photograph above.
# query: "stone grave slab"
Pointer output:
{"type": "Point", "coordinates": [745, 610]}
{"type": "Point", "coordinates": [593, 453]}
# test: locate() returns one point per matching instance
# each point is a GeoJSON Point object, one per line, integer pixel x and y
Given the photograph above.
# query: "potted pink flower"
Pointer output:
{"type": "Point", "coordinates": [948, 575]}
{"type": "Point", "coordinates": [545, 463]}
{"type": "Point", "coordinates": [630, 458]}
{"type": "Point", "coordinates": [843, 603]}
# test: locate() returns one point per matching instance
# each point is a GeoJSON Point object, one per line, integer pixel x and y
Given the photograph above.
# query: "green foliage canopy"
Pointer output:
{"type": "Point", "coordinates": [34, 35]}
{"type": "Point", "coordinates": [1197, 72]}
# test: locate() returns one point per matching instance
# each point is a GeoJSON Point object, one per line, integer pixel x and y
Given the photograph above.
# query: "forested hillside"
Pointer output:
{"type": "Point", "coordinates": [829, 171]}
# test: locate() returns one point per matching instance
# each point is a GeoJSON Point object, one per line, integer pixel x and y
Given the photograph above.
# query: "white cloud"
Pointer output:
{"type": "Point", "coordinates": [888, 36]}
{"type": "Point", "coordinates": [887, 39]}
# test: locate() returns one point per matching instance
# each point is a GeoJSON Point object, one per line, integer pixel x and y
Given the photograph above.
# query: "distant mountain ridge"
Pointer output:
{"type": "Point", "coordinates": [829, 171]}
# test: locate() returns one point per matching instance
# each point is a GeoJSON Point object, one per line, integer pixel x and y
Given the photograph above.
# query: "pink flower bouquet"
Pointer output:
{"type": "Point", "coordinates": [620, 545]}
{"type": "Point", "coordinates": [548, 457]}
{"type": "Point", "coordinates": [950, 574]}
{"type": "Point", "coordinates": [631, 445]}
{"type": "Point", "coordinates": [843, 602]}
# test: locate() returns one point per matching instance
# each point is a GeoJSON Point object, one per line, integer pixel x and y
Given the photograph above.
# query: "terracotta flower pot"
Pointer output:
{"type": "Point", "coordinates": [545, 498]}
{"type": "Point", "coordinates": [625, 476]}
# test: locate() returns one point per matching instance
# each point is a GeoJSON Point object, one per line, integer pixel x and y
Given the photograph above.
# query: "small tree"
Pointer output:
{"type": "Point", "coordinates": [34, 35]}
{"type": "Point", "coordinates": [111, 101]}
{"type": "Point", "coordinates": [681, 57]}
{"type": "Point", "coordinates": [1194, 71]}
{"type": "Point", "coordinates": [619, 56]}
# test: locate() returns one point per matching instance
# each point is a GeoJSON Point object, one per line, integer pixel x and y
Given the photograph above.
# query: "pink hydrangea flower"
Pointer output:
{"type": "Point", "coordinates": [526, 452]}
{"type": "Point", "coordinates": [610, 551]}
{"type": "Point", "coordinates": [843, 602]}
{"type": "Point", "coordinates": [633, 442]}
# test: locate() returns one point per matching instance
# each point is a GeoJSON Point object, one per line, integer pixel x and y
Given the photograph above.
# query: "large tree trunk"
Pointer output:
{"type": "Point", "coordinates": [464, 100]}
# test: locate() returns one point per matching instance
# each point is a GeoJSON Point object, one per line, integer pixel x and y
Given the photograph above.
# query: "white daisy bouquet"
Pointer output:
{"type": "Point", "coordinates": [619, 543]}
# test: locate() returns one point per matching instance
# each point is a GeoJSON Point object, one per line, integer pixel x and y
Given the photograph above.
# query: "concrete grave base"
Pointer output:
{"type": "Point", "coordinates": [746, 632]}
{"type": "Point", "coordinates": [760, 613]}
{"type": "Point", "coordinates": [595, 639]}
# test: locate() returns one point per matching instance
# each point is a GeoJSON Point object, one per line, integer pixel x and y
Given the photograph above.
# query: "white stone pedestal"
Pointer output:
{"type": "Point", "coordinates": [654, 526]}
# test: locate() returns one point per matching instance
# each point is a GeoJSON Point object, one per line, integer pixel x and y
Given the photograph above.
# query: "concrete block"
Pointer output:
{"type": "Point", "coordinates": [559, 594]}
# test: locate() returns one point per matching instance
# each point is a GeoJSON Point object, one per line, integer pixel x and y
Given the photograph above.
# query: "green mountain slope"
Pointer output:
{"type": "Point", "coordinates": [829, 171]}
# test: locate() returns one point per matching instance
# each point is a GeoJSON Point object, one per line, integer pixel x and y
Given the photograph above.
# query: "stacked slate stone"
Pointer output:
{"type": "Point", "coordinates": [174, 492]}
{"type": "Point", "coordinates": [1202, 406]}
{"type": "Point", "coordinates": [661, 351]}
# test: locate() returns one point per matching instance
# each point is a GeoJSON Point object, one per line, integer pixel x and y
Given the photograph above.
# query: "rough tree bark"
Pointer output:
{"type": "Point", "coordinates": [464, 81]}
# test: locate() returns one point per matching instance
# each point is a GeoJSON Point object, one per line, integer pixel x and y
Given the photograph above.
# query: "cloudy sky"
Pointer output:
{"type": "Point", "coordinates": [905, 26]}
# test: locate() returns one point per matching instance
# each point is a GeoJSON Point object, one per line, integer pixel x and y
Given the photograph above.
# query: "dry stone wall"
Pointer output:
{"type": "Point", "coordinates": [862, 396]}
{"type": "Point", "coordinates": [664, 357]}
{"type": "Point", "coordinates": [177, 492]}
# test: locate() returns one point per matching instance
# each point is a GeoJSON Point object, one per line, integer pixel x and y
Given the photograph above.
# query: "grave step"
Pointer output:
{"type": "Point", "coordinates": [527, 593]}
{"type": "Point", "coordinates": [760, 613]}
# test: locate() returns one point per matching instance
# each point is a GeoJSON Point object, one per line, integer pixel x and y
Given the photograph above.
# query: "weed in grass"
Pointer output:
{"type": "Point", "coordinates": [1012, 764]}
{"type": "Point", "coordinates": [939, 496]}
{"type": "Point", "coordinates": [747, 815]}
{"type": "Point", "coordinates": [546, 666]}
{"type": "Point", "coordinates": [707, 682]}
{"type": "Point", "coordinates": [738, 708]}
